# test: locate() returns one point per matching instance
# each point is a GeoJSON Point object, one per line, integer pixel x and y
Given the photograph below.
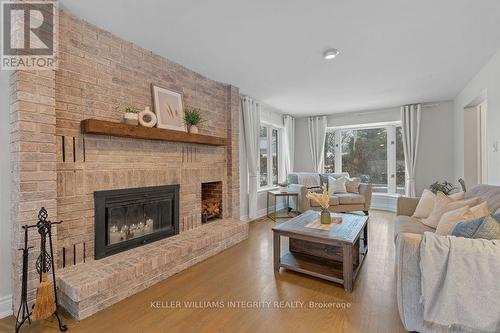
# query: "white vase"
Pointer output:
{"type": "Point", "coordinates": [193, 129]}
{"type": "Point", "coordinates": [147, 118]}
{"type": "Point", "coordinates": [131, 118]}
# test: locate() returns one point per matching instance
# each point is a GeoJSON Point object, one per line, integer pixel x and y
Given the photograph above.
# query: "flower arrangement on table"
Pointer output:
{"type": "Point", "coordinates": [323, 199]}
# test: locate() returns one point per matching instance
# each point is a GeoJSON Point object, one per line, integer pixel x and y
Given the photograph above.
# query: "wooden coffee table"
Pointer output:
{"type": "Point", "coordinates": [335, 255]}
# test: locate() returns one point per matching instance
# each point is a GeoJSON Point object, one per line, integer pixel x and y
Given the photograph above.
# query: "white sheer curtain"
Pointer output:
{"type": "Point", "coordinates": [410, 121]}
{"type": "Point", "coordinates": [288, 143]}
{"type": "Point", "coordinates": [251, 128]}
{"type": "Point", "coordinates": [317, 131]}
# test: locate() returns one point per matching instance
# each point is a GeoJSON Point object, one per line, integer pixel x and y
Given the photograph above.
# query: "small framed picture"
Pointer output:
{"type": "Point", "coordinates": [168, 107]}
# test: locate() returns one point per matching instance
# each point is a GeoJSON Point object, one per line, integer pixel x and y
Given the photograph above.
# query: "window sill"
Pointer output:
{"type": "Point", "coordinates": [267, 188]}
{"type": "Point", "coordinates": [392, 195]}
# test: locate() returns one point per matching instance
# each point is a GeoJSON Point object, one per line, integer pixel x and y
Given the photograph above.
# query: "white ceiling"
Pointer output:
{"type": "Point", "coordinates": [393, 52]}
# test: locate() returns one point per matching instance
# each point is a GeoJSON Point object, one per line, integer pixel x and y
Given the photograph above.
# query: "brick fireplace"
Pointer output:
{"type": "Point", "coordinates": [58, 167]}
{"type": "Point", "coordinates": [128, 218]}
{"type": "Point", "coordinates": [211, 201]}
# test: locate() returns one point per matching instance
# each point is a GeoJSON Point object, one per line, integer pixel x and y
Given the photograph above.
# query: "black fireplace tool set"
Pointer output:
{"type": "Point", "coordinates": [46, 303]}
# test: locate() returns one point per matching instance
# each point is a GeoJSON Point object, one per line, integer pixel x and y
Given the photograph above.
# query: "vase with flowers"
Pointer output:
{"type": "Point", "coordinates": [323, 199]}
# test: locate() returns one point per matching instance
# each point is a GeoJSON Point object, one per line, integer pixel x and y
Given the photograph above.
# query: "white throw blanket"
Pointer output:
{"type": "Point", "coordinates": [460, 283]}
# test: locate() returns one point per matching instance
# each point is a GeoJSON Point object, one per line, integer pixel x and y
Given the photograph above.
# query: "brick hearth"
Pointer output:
{"type": "Point", "coordinates": [56, 166]}
{"type": "Point", "coordinates": [90, 287]}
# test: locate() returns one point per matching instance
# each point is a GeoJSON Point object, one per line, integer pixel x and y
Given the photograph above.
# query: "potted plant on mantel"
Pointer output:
{"type": "Point", "coordinates": [131, 115]}
{"type": "Point", "coordinates": [192, 118]}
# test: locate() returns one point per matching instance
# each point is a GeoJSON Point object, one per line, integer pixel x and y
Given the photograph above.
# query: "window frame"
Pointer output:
{"type": "Point", "coordinates": [270, 127]}
{"type": "Point", "coordinates": [390, 128]}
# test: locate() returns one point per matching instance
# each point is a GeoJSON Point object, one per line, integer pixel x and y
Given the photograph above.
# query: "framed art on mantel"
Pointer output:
{"type": "Point", "coordinates": [168, 108]}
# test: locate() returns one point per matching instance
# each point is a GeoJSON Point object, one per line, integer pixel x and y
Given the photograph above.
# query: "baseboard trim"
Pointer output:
{"type": "Point", "coordinates": [5, 306]}
{"type": "Point", "coordinates": [260, 213]}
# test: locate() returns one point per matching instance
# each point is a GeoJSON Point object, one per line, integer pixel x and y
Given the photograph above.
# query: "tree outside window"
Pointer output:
{"type": "Point", "coordinates": [269, 148]}
{"type": "Point", "coordinates": [374, 154]}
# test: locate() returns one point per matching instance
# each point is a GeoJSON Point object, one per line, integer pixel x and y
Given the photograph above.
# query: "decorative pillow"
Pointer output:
{"type": "Point", "coordinates": [467, 229]}
{"type": "Point", "coordinates": [480, 210]}
{"type": "Point", "coordinates": [445, 204]}
{"type": "Point", "coordinates": [336, 185]}
{"type": "Point", "coordinates": [486, 227]}
{"type": "Point", "coordinates": [449, 219]}
{"type": "Point", "coordinates": [425, 205]}
{"type": "Point", "coordinates": [457, 196]}
{"type": "Point", "coordinates": [309, 179]}
{"type": "Point", "coordinates": [489, 229]}
{"type": "Point", "coordinates": [352, 184]}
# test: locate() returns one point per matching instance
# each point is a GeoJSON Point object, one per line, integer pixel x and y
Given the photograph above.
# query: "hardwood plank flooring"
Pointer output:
{"type": "Point", "coordinates": [245, 273]}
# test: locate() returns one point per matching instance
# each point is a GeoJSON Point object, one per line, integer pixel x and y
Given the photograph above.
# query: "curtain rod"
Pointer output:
{"type": "Point", "coordinates": [368, 112]}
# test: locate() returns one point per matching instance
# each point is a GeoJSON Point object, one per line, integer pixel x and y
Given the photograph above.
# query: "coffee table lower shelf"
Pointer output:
{"type": "Point", "coordinates": [325, 269]}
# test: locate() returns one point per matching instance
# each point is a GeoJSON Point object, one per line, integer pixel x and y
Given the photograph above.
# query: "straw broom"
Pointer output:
{"type": "Point", "coordinates": [45, 304]}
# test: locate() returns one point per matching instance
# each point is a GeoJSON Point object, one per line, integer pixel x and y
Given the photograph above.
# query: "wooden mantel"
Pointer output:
{"type": "Point", "coordinates": [103, 127]}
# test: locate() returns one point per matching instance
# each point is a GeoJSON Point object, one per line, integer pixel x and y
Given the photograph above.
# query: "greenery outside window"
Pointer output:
{"type": "Point", "coordinates": [269, 150]}
{"type": "Point", "coordinates": [372, 153]}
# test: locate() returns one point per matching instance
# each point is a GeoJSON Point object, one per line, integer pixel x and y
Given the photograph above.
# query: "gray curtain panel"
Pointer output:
{"type": "Point", "coordinates": [317, 130]}
{"type": "Point", "coordinates": [251, 128]}
{"type": "Point", "coordinates": [410, 121]}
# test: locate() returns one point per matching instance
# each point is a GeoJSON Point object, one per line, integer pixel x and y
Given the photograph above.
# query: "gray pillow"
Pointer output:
{"type": "Point", "coordinates": [486, 227]}
{"type": "Point", "coordinates": [468, 228]}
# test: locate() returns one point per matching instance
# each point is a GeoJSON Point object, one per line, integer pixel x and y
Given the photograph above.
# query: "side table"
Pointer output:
{"type": "Point", "coordinates": [289, 211]}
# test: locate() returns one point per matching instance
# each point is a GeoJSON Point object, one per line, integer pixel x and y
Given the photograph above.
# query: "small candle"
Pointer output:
{"type": "Point", "coordinates": [149, 226]}
{"type": "Point", "coordinates": [139, 230]}
{"type": "Point", "coordinates": [114, 235]}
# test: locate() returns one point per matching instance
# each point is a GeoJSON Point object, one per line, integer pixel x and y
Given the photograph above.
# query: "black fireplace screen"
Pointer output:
{"type": "Point", "coordinates": [127, 218]}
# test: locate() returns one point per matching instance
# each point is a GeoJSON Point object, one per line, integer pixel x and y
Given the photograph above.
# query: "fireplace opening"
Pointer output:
{"type": "Point", "coordinates": [211, 201]}
{"type": "Point", "coordinates": [128, 218]}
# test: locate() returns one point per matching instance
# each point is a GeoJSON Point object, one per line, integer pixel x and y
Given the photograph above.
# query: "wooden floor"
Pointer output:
{"type": "Point", "coordinates": [245, 273]}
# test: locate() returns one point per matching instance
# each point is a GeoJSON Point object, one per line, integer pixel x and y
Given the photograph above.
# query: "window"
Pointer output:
{"type": "Point", "coordinates": [270, 140]}
{"type": "Point", "coordinates": [364, 155]}
{"type": "Point", "coordinates": [374, 154]}
{"type": "Point", "coordinates": [330, 147]}
{"type": "Point", "coordinates": [400, 162]}
{"type": "Point", "coordinates": [264, 147]}
{"type": "Point", "coordinates": [274, 155]}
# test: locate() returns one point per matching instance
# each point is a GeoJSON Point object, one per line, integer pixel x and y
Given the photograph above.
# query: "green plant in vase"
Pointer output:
{"type": "Point", "coordinates": [445, 187]}
{"type": "Point", "coordinates": [131, 115]}
{"type": "Point", "coordinates": [192, 118]}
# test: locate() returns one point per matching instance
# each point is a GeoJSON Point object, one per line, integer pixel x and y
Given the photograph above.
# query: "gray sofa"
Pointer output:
{"type": "Point", "coordinates": [339, 202]}
{"type": "Point", "coordinates": [408, 234]}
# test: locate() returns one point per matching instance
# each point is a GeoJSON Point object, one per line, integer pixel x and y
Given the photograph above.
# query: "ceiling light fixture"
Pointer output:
{"type": "Point", "coordinates": [330, 54]}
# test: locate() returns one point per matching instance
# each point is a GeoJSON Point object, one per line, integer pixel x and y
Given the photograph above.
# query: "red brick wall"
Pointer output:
{"type": "Point", "coordinates": [33, 158]}
{"type": "Point", "coordinates": [54, 165]}
{"type": "Point", "coordinates": [98, 72]}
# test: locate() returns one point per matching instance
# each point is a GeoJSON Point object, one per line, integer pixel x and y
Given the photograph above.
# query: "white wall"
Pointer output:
{"type": "Point", "coordinates": [271, 116]}
{"type": "Point", "coordinates": [486, 84]}
{"type": "Point", "coordinates": [435, 159]}
{"type": "Point", "coordinates": [435, 152]}
{"type": "Point", "coordinates": [302, 160]}
{"type": "Point", "coordinates": [365, 117]}
{"type": "Point", "coordinates": [5, 225]}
